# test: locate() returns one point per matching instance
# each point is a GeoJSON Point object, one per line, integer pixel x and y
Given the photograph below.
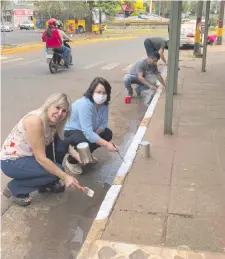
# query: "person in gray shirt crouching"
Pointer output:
{"type": "Point", "coordinates": [144, 74]}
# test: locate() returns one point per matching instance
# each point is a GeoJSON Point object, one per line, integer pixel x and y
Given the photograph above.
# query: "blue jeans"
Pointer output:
{"type": "Point", "coordinates": [130, 79]}
{"type": "Point", "coordinates": [66, 53]}
{"type": "Point", "coordinates": [28, 175]}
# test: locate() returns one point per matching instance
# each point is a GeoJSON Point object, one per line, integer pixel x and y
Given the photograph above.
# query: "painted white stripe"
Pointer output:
{"type": "Point", "coordinates": [93, 65]}
{"type": "Point", "coordinates": [128, 67]}
{"type": "Point", "coordinates": [110, 66]}
{"type": "Point", "coordinates": [29, 62]}
{"type": "Point", "coordinates": [108, 202]}
{"type": "Point", "coordinates": [12, 60]}
{"type": "Point", "coordinates": [2, 57]}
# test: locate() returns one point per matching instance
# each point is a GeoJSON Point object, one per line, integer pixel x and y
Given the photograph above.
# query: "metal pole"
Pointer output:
{"type": "Point", "coordinates": [220, 24]}
{"type": "Point", "coordinates": [100, 20]}
{"type": "Point", "coordinates": [150, 6]}
{"type": "Point", "coordinates": [174, 33]}
{"type": "Point", "coordinates": [207, 10]}
{"type": "Point", "coordinates": [178, 47]}
{"type": "Point", "coordinates": [4, 40]}
{"type": "Point", "coordinates": [197, 45]}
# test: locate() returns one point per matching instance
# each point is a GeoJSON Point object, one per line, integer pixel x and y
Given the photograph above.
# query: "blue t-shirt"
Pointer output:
{"type": "Point", "coordinates": [86, 118]}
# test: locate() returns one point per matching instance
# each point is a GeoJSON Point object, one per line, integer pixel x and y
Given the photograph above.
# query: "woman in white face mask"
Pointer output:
{"type": "Point", "coordinates": [89, 121]}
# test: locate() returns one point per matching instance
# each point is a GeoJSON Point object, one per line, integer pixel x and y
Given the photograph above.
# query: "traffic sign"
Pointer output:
{"type": "Point", "coordinates": [124, 7]}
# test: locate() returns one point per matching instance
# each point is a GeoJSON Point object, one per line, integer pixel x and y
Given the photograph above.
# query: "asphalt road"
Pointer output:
{"type": "Point", "coordinates": [19, 37]}
{"type": "Point", "coordinates": [55, 226]}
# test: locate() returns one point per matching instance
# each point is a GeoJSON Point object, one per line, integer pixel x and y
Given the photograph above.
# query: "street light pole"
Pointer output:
{"type": "Point", "coordinates": [207, 10]}
{"type": "Point", "coordinates": [220, 24]}
{"type": "Point", "coordinates": [174, 34]}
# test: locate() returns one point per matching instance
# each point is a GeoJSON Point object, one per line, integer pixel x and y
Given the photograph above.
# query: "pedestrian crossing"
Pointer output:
{"type": "Point", "coordinates": [102, 65]}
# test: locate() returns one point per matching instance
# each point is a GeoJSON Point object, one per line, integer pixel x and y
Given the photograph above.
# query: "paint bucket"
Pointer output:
{"type": "Point", "coordinates": [127, 99]}
{"type": "Point", "coordinates": [84, 152]}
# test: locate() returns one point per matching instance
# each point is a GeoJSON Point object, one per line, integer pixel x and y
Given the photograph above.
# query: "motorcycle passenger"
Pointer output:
{"type": "Point", "coordinates": [64, 37]}
{"type": "Point", "coordinates": [53, 40]}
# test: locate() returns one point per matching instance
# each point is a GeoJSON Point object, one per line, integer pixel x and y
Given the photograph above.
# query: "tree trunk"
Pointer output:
{"type": "Point", "coordinates": [89, 17]}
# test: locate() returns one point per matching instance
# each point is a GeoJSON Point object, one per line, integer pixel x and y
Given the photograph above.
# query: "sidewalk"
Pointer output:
{"type": "Point", "coordinates": [172, 205]}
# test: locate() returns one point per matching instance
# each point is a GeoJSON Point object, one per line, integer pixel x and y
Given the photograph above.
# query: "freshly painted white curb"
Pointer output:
{"type": "Point", "coordinates": [132, 150]}
{"type": "Point", "coordinates": [108, 202]}
{"type": "Point", "coordinates": [114, 190]}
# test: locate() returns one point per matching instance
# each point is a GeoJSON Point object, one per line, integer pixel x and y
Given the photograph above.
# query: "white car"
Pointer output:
{"type": "Point", "coordinates": [27, 25]}
{"type": "Point", "coordinates": [187, 33]}
{"type": "Point", "coordinates": [6, 26]}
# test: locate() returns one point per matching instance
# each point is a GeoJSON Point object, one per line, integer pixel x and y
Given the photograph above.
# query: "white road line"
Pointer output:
{"type": "Point", "coordinates": [29, 62]}
{"type": "Point", "coordinates": [128, 67]}
{"type": "Point", "coordinates": [12, 60]}
{"type": "Point", "coordinates": [2, 57]}
{"type": "Point", "coordinates": [93, 65]}
{"type": "Point", "coordinates": [110, 66]}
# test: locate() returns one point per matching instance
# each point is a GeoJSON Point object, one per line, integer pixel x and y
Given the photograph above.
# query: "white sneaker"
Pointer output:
{"type": "Point", "coordinates": [73, 168]}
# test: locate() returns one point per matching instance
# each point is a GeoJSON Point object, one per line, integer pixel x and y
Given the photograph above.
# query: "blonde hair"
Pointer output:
{"type": "Point", "coordinates": [56, 98]}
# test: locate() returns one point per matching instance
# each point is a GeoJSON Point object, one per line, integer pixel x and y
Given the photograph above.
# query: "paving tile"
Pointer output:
{"type": "Point", "coordinates": [134, 228]}
{"type": "Point", "coordinates": [145, 198]}
{"type": "Point", "coordinates": [146, 171]}
{"type": "Point", "coordinates": [204, 234]}
{"type": "Point", "coordinates": [196, 175]}
{"type": "Point", "coordinates": [195, 153]}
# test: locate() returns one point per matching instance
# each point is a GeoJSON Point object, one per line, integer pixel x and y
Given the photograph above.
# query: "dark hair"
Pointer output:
{"type": "Point", "coordinates": [49, 32]}
{"type": "Point", "coordinates": [94, 84]}
{"type": "Point", "coordinates": [155, 55]}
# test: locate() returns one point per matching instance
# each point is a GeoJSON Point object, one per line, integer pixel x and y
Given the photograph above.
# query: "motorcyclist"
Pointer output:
{"type": "Point", "coordinates": [64, 37]}
{"type": "Point", "coordinates": [53, 40]}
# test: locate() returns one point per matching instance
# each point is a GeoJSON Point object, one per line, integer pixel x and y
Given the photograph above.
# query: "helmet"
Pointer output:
{"type": "Point", "coordinates": [59, 24]}
{"type": "Point", "coordinates": [52, 22]}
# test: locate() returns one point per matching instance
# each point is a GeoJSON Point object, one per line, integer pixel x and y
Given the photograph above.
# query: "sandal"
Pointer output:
{"type": "Point", "coordinates": [55, 187]}
{"type": "Point", "coordinates": [21, 199]}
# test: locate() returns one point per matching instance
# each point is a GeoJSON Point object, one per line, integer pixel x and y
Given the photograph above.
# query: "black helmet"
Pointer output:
{"type": "Point", "coordinates": [59, 24]}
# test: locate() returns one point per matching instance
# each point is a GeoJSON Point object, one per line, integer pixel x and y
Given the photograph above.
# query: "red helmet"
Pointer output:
{"type": "Point", "coordinates": [52, 22]}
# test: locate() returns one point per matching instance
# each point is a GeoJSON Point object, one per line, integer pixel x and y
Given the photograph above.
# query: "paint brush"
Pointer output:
{"type": "Point", "coordinates": [119, 153]}
{"type": "Point", "coordinates": [87, 191]}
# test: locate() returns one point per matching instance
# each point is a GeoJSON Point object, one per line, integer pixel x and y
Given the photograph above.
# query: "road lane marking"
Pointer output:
{"type": "Point", "coordinates": [128, 67]}
{"type": "Point", "coordinates": [29, 62]}
{"type": "Point", "coordinates": [93, 65]}
{"type": "Point", "coordinates": [110, 66]}
{"type": "Point", "coordinates": [12, 60]}
{"type": "Point", "coordinates": [2, 57]}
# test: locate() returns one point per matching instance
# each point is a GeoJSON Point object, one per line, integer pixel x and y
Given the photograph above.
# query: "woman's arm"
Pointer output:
{"type": "Point", "coordinates": [85, 112]}
{"type": "Point", "coordinates": [35, 133]}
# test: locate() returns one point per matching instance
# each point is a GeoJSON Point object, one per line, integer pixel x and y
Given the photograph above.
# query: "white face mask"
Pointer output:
{"type": "Point", "coordinates": [99, 98]}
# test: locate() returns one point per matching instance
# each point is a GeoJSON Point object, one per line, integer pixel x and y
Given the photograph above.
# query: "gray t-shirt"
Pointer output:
{"type": "Point", "coordinates": [158, 43]}
{"type": "Point", "coordinates": [142, 66]}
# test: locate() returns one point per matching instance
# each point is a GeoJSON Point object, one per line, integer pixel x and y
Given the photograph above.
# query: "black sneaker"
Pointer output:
{"type": "Point", "coordinates": [55, 187]}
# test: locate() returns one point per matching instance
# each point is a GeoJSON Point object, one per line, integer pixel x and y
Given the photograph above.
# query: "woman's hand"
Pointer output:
{"type": "Point", "coordinates": [71, 181]}
{"type": "Point", "coordinates": [111, 147]}
{"type": "Point", "coordinates": [98, 131]}
{"type": "Point", "coordinates": [74, 154]}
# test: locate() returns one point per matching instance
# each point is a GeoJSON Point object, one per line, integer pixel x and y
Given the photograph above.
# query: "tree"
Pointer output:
{"type": "Point", "coordinates": [62, 10]}
{"type": "Point", "coordinates": [108, 7]}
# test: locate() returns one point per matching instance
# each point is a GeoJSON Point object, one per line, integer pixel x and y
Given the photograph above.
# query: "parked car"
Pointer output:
{"type": "Point", "coordinates": [6, 26]}
{"type": "Point", "coordinates": [187, 33]}
{"type": "Point", "coordinates": [27, 25]}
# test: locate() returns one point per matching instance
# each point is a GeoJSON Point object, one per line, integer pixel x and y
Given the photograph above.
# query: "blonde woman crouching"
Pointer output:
{"type": "Point", "coordinates": [33, 152]}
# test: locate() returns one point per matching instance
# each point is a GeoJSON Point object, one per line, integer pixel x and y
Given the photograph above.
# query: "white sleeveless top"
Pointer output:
{"type": "Point", "coordinates": [16, 144]}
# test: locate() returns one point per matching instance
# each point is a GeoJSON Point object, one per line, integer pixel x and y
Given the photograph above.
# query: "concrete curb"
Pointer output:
{"type": "Point", "coordinates": [79, 42]}
{"type": "Point", "coordinates": [108, 203]}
